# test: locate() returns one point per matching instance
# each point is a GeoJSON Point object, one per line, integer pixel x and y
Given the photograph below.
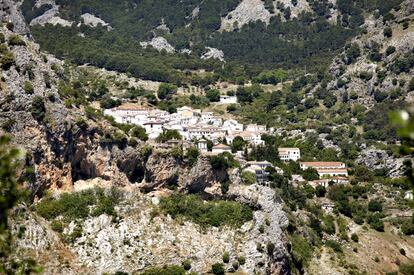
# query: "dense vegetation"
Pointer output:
{"type": "Point", "coordinates": [210, 213]}
{"type": "Point", "coordinates": [310, 39]}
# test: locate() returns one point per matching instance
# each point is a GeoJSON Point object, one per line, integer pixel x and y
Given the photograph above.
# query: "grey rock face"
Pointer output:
{"type": "Point", "coordinates": [379, 159]}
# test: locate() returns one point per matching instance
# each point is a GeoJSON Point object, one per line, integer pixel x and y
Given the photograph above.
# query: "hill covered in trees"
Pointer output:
{"type": "Point", "coordinates": [291, 35]}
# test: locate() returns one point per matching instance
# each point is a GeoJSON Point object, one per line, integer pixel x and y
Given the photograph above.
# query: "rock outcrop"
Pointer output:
{"type": "Point", "coordinates": [159, 43]}
{"type": "Point", "coordinates": [376, 159]}
{"type": "Point", "coordinates": [213, 53]}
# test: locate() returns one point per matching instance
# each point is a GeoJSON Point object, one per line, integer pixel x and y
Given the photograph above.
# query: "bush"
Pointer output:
{"type": "Point", "coordinates": [334, 245]}
{"type": "Point", "coordinates": [57, 226]}
{"type": "Point", "coordinates": [387, 32]}
{"type": "Point", "coordinates": [28, 88]}
{"type": "Point", "coordinates": [211, 213]}
{"type": "Point", "coordinates": [270, 248]}
{"type": "Point", "coordinates": [2, 38]}
{"type": "Point", "coordinates": [374, 220]}
{"type": "Point", "coordinates": [390, 50]}
{"type": "Point", "coordinates": [186, 265]}
{"type": "Point", "coordinates": [139, 133]}
{"type": "Point", "coordinates": [218, 269]}
{"type": "Point", "coordinates": [355, 237]}
{"type": "Point", "coordinates": [16, 40]}
{"type": "Point", "coordinates": [7, 60]}
{"type": "Point", "coordinates": [169, 135]}
{"type": "Point", "coordinates": [402, 251]}
{"type": "Point", "coordinates": [375, 206]}
{"type": "Point", "coordinates": [411, 85]}
{"type": "Point", "coordinates": [79, 205]}
{"type": "Point", "coordinates": [241, 260]}
{"type": "Point", "coordinates": [166, 91]}
{"type": "Point", "coordinates": [165, 270]}
{"type": "Point", "coordinates": [320, 191]}
{"type": "Point", "coordinates": [38, 108]}
{"type": "Point", "coordinates": [248, 177]}
{"type": "Point", "coordinates": [407, 269]}
{"type": "Point", "coordinates": [213, 95]}
{"type": "Point", "coordinates": [407, 228]}
{"type": "Point", "coordinates": [226, 257]}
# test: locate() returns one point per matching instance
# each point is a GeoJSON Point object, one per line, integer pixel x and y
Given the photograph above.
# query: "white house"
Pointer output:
{"type": "Point", "coordinates": [153, 128]}
{"type": "Point", "coordinates": [226, 99]}
{"type": "Point", "coordinates": [210, 132]}
{"type": "Point", "coordinates": [232, 125]}
{"type": "Point", "coordinates": [221, 148]}
{"type": "Point", "coordinates": [256, 128]}
{"type": "Point", "coordinates": [322, 165]}
{"type": "Point", "coordinates": [287, 154]}
{"type": "Point", "coordinates": [202, 145]}
{"type": "Point", "coordinates": [325, 182]}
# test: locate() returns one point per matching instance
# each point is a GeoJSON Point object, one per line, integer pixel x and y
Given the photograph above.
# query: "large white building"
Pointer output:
{"type": "Point", "coordinates": [327, 169]}
{"type": "Point", "coordinates": [287, 154]}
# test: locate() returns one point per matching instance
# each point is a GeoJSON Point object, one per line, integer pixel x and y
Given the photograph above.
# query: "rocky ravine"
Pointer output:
{"type": "Point", "coordinates": [138, 240]}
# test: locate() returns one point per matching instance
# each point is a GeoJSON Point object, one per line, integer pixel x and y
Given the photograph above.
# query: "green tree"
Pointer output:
{"type": "Point", "coordinates": [166, 91]}
{"type": "Point", "coordinates": [238, 144]}
{"type": "Point", "coordinates": [218, 269]}
{"type": "Point", "coordinates": [310, 174]}
{"type": "Point", "coordinates": [10, 194]}
{"type": "Point", "coordinates": [38, 108]}
{"type": "Point", "coordinates": [169, 135]}
{"type": "Point", "coordinates": [213, 95]}
{"type": "Point", "coordinates": [139, 133]}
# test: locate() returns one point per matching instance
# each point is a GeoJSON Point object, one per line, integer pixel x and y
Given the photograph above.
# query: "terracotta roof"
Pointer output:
{"type": "Point", "coordinates": [338, 170]}
{"type": "Point", "coordinates": [322, 164]}
{"type": "Point", "coordinates": [221, 146]}
{"type": "Point", "coordinates": [287, 149]}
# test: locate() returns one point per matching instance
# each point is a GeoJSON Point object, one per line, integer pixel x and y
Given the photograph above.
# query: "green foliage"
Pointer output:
{"type": "Point", "coordinates": [407, 228]}
{"type": "Point", "coordinates": [334, 245]}
{"type": "Point", "coordinates": [166, 91]}
{"type": "Point", "coordinates": [238, 144]}
{"type": "Point", "coordinates": [302, 251]}
{"type": "Point", "coordinates": [38, 108]}
{"type": "Point", "coordinates": [169, 135]}
{"type": "Point", "coordinates": [10, 195]}
{"type": "Point", "coordinates": [211, 213]}
{"type": "Point", "coordinates": [16, 40]}
{"type": "Point", "coordinates": [139, 133]}
{"type": "Point", "coordinates": [355, 237]}
{"type": "Point", "coordinates": [192, 155]}
{"type": "Point", "coordinates": [226, 257]}
{"type": "Point", "coordinates": [165, 270]}
{"type": "Point", "coordinates": [374, 220]}
{"type": "Point", "coordinates": [407, 269]}
{"type": "Point", "coordinates": [241, 260]}
{"type": "Point", "coordinates": [7, 60]}
{"type": "Point", "coordinates": [375, 206]}
{"type": "Point", "coordinates": [310, 174]}
{"type": "Point", "coordinates": [352, 53]}
{"type": "Point", "coordinates": [213, 95]}
{"type": "Point", "coordinates": [28, 87]}
{"type": "Point", "coordinates": [79, 205]}
{"type": "Point", "coordinates": [248, 177]}
{"type": "Point", "coordinates": [223, 161]}
{"type": "Point", "coordinates": [218, 269]}
{"type": "Point", "coordinates": [387, 32]}
{"type": "Point", "coordinates": [186, 265]}
{"type": "Point", "coordinates": [320, 191]}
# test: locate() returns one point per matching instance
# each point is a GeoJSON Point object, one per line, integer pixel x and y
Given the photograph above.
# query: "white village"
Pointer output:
{"type": "Point", "coordinates": [199, 128]}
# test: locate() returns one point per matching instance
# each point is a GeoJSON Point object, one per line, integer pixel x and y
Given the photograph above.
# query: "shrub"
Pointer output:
{"type": "Point", "coordinates": [402, 251]}
{"type": "Point", "coordinates": [79, 205]}
{"type": "Point", "coordinates": [165, 270]}
{"type": "Point", "coordinates": [226, 257]}
{"type": "Point", "coordinates": [241, 260]}
{"type": "Point", "coordinates": [186, 265]}
{"type": "Point", "coordinates": [334, 245]}
{"type": "Point", "coordinates": [390, 50]}
{"type": "Point", "coordinates": [16, 40]}
{"type": "Point", "coordinates": [355, 237]}
{"type": "Point", "coordinates": [169, 135]}
{"type": "Point", "coordinates": [302, 251]}
{"type": "Point", "coordinates": [407, 269]}
{"type": "Point", "coordinates": [28, 87]}
{"type": "Point", "coordinates": [235, 265]}
{"type": "Point", "coordinates": [38, 108]}
{"type": "Point", "coordinates": [411, 85]}
{"type": "Point", "coordinates": [374, 220]}
{"type": "Point", "coordinates": [270, 248]}
{"type": "Point", "coordinates": [213, 95]}
{"type": "Point", "coordinates": [192, 155]}
{"type": "Point", "coordinates": [211, 213]}
{"type": "Point", "coordinates": [320, 191]}
{"type": "Point", "coordinates": [407, 228]}
{"type": "Point", "coordinates": [57, 226]}
{"type": "Point", "coordinates": [2, 38]}
{"type": "Point", "coordinates": [375, 206]}
{"type": "Point", "coordinates": [139, 133]}
{"type": "Point", "coordinates": [218, 269]}
{"type": "Point", "coordinates": [166, 91]}
{"type": "Point", "coordinates": [387, 32]}
{"type": "Point", "coordinates": [7, 60]}
{"type": "Point", "coordinates": [10, 26]}
{"type": "Point", "coordinates": [248, 177]}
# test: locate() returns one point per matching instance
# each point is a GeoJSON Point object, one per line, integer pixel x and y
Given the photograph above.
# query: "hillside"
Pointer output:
{"type": "Point", "coordinates": [289, 33]}
{"type": "Point", "coordinates": [151, 137]}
